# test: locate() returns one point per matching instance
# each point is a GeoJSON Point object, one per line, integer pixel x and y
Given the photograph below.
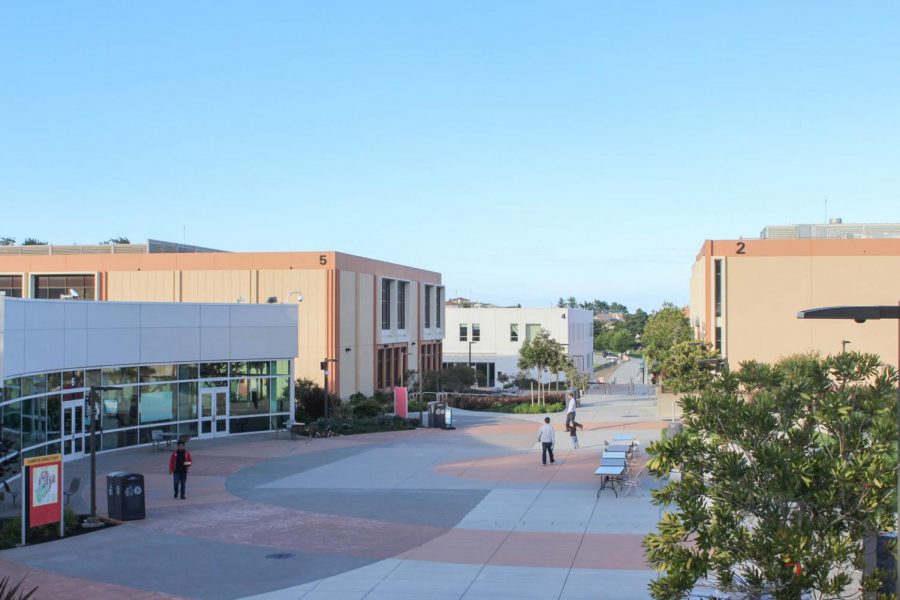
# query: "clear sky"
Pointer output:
{"type": "Point", "coordinates": [526, 150]}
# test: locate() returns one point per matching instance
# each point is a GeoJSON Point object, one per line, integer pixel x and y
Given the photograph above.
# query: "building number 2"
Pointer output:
{"type": "Point", "coordinates": [323, 260]}
{"type": "Point", "coordinates": [740, 248]}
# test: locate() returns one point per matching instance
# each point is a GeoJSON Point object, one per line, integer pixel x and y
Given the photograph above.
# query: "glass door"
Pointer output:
{"type": "Point", "coordinates": [73, 430]}
{"type": "Point", "coordinates": [213, 412]}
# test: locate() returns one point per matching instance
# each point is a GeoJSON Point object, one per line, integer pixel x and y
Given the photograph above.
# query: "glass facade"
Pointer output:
{"type": "Point", "coordinates": [44, 413]}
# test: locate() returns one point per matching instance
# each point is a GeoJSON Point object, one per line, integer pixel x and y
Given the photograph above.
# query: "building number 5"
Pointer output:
{"type": "Point", "coordinates": [323, 260]}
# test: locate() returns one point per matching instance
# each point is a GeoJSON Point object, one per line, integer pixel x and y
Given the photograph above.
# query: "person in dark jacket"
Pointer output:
{"type": "Point", "coordinates": [179, 463]}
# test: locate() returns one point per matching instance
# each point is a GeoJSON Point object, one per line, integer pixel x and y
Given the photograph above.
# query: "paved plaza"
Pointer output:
{"type": "Point", "coordinates": [438, 515]}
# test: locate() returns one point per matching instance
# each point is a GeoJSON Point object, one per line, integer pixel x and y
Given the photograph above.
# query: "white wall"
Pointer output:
{"type": "Point", "coordinates": [53, 335]}
{"type": "Point", "coordinates": [573, 327]}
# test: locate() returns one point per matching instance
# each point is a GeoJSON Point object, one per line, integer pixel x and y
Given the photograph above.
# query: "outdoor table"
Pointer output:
{"type": "Point", "coordinates": [608, 473]}
{"type": "Point", "coordinates": [607, 462]}
{"type": "Point", "coordinates": [615, 454]}
{"type": "Point", "coordinates": [623, 437]}
{"type": "Point", "coordinates": [619, 448]}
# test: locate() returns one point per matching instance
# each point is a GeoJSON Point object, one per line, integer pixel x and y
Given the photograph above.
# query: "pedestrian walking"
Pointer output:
{"type": "Point", "coordinates": [570, 409]}
{"type": "Point", "coordinates": [179, 463]}
{"type": "Point", "coordinates": [547, 437]}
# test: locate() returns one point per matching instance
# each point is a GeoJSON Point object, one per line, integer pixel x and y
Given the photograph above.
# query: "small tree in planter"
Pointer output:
{"type": "Point", "coordinates": [784, 470]}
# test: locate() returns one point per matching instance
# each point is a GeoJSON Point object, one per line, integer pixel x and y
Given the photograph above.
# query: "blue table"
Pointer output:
{"type": "Point", "coordinates": [623, 437]}
{"type": "Point", "coordinates": [611, 472]}
{"type": "Point", "coordinates": [615, 454]}
{"type": "Point", "coordinates": [619, 448]}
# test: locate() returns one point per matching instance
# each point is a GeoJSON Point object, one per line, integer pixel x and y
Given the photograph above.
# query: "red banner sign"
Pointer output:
{"type": "Point", "coordinates": [400, 406]}
{"type": "Point", "coordinates": [43, 489]}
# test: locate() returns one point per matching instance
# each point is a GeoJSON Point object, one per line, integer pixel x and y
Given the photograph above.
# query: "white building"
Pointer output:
{"type": "Point", "coordinates": [490, 338]}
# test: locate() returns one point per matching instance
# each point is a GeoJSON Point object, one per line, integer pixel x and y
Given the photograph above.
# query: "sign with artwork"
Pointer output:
{"type": "Point", "coordinates": [43, 487]}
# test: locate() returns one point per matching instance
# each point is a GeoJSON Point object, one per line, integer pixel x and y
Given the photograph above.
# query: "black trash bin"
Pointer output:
{"type": "Point", "coordinates": [436, 412]}
{"type": "Point", "coordinates": [125, 496]}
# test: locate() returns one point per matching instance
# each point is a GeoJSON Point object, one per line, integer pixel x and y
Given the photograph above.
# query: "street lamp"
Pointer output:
{"type": "Point", "coordinates": [844, 345]}
{"type": "Point", "coordinates": [93, 407]}
{"type": "Point", "coordinates": [861, 314]}
{"type": "Point", "coordinates": [324, 366]}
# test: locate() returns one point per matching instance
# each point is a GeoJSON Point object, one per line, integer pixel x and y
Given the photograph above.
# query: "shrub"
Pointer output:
{"type": "Point", "coordinates": [11, 530]}
{"type": "Point", "coordinates": [8, 591]}
{"type": "Point", "coordinates": [537, 409]}
{"type": "Point", "coordinates": [366, 408]}
{"type": "Point", "coordinates": [311, 400]}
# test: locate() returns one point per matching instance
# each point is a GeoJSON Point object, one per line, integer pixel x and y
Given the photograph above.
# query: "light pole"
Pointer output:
{"type": "Point", "coordinates": [844, 345]}
{"type": "Point", "coordinates": [93, 407]}
{"type": "Point", "coordinates": [861, 314]}
{"type": "Point", "coordinates": [324, 366]}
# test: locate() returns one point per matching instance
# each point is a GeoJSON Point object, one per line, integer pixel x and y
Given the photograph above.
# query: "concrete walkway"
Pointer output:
{"type": "Point", "coordinates": [465, 514]}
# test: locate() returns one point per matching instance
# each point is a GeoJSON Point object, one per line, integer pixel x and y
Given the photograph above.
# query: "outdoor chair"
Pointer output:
{"type": "Point", "coordinates": [8, 490]}
{"type": "Point", "coordinates": [633, 481]}
{"type": "Point", "coordinates": [156, 436]}
{"type": "Point", "coordinates": [74, 485]}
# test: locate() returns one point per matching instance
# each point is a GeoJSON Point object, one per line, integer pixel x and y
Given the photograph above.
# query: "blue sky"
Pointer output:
{"type": "Point", "coordinates": [526, 150]}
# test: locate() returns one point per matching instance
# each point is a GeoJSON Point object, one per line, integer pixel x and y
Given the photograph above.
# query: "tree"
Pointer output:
{"type": "Point", "coordinates": [455, 378]}
{"type": "Point", "coordinates": [784, 469]}
{"type": "Point", "coordinates": [33, 242]}
{"type": "Point", "coordinates": [540, 353]}
{"type": "Point", "coordinates": [561, 303]}
{"type": "Point", "coordinates": [572, 302]}
{"type": "Point", "coordinates": [7, 241]}
{"type": "Point", "coordinates": [116, 240]}
{"type": "Point", "coordinates": [682, 369]}
{"type": "Point", "coordinates": [665, 328]}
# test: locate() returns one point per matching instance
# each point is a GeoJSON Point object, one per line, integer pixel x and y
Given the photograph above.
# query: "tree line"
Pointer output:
{"type": "Point", "coordinates": [30, 241]}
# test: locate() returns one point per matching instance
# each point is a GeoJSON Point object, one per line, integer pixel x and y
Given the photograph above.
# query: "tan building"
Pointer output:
{"type": "Point", "coordinates": [745, 295]}
{"type": "Point", "coordinates": [376, 319]}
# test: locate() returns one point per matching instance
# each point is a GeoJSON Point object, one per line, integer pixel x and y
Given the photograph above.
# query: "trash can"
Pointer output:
{"type": "Point", "coordinates": [674, 429]}
{"type": "Point", "coordinates": [436, 412]}
{"type": "Point", "coordinates": [125, 496]}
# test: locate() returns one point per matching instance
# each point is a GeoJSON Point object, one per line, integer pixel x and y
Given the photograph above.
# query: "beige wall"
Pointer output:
{"type": "Point", "coordinates": [338, 310]}
{"type": "Point", "coordinates": [697, 309]}
{"type": "Point", "coordinates": [765, 291]}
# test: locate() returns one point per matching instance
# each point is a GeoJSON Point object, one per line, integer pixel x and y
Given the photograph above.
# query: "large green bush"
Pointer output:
{"type": "Point", "coordinates": [366, 409]}
{"type": "Point", "coordinates": [11, 530]}
{"type": "Point", "coordinates": [537, 409]}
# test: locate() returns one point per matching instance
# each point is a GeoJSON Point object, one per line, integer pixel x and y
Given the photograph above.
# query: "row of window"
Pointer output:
{"type": "Point", "coordinates": [20, 387]}
{"type": "Point", "coordinates": [531, 331]}
{"type": "Point", "coordinates": [394, 313]}
{"type": "Point", "coordinates": [51, 287]}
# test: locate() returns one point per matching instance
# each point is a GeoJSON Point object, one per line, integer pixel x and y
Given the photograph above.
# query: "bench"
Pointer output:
{"type": "Point", "coordinates": [292, 428]}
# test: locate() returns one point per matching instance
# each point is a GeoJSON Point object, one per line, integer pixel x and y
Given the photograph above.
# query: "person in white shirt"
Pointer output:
{"type": "Point", "coordinates": [547, 437]}
{"type": "Point", "coordinates": [570, 409]}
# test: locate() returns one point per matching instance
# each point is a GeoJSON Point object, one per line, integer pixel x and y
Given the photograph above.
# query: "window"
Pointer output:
{"type": "Point", "coordinates": [439, 304]}
{"type": "Point", "coordinates": [386, 304]}
{"type": "Point", "coordinates": [11, 285]}
{"type": "Point", "coordinates": [719, 339]}
{"type": "Point", "coordinates": [476, 332]}
{"type": "Point", "coordinates": [53, 287]}
{"type": "Point", "coordinates": [718, 287]}
{"type": "Point", "coordinates": [531, 331]}
{"type": "Point", "coordinates": [514, 332]}
{"type": "Point", "coordinates": [401, 304]}
{"type": "Point", "coordinates": [428, 306]}
{"type": "Point", "coordinates": [463, 332]}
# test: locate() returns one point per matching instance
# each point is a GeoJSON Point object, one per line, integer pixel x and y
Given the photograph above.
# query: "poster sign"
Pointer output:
{"type": "Point", "coordinates": [400, 405]}
{"type": "Point", "coordinates": [43, 488]}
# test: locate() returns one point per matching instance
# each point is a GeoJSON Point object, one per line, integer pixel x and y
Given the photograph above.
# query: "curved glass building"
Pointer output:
{"type": "Point", "coordinates": [168, 370]}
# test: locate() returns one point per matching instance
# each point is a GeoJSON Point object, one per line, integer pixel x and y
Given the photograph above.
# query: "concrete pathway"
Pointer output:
{"type": "Point", "coordinates": [464, 514]}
